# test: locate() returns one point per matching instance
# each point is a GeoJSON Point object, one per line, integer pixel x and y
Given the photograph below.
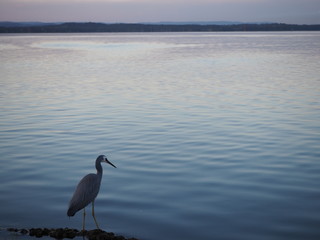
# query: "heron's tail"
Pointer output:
{"type": "Point", "coordinates": [71, 212]}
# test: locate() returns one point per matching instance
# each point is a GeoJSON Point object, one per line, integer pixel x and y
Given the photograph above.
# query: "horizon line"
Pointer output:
{"type": "Point", "coordinates": [218, 22]}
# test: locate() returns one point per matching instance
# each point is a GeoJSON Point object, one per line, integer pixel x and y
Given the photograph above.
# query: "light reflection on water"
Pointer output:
{"type": "Point", "coordinates": [215, 136]}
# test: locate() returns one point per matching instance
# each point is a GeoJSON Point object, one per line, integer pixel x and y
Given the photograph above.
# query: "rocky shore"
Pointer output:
{"type": "Point", "coordinates": [60, 233]}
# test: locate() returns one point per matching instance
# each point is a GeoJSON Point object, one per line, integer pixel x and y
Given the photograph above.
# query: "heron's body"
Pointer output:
{"type": "Point", "coordinates": [87, 190]}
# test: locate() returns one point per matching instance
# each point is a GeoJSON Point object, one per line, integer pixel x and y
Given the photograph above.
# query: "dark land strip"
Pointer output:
{"type": "Point", "coordinates": [132, 27]}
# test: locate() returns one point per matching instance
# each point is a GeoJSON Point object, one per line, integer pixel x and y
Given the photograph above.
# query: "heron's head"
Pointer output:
{"type": "Point", "coordinates": [103, 158]}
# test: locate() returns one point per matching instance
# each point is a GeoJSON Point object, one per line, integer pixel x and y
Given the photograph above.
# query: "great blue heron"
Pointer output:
{"type": "Point", "coordinates": [87, 190]}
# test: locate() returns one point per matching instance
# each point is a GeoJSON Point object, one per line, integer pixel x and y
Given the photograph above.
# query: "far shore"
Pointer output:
{"type": "Point", "coordinates": [91, 27]}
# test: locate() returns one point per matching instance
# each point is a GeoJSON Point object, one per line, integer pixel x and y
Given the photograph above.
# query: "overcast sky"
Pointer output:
{"type": "Point", "coordinates": [285, 11]}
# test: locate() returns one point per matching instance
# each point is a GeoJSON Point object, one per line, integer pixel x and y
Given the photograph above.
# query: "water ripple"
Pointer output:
{"type": "Point", "coordinates": [215, 136]}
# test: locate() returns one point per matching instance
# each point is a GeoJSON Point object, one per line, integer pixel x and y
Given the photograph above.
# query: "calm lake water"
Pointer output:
{"type": "Point", "coordinates": [214, 135]}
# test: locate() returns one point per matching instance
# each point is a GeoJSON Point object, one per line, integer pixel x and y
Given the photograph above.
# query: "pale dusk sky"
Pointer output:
{"type": "Point", "coordinates": [131, 11]}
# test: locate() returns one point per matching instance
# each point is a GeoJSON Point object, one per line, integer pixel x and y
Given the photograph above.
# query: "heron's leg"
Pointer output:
{"type": "Point", "coordinates": [84, 218]}
{"type": "Point", "coordinates": [95, 220]}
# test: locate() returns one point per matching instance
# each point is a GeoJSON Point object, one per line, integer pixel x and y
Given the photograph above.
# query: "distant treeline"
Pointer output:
{"type": "Point", "coordinates": [130, 27]}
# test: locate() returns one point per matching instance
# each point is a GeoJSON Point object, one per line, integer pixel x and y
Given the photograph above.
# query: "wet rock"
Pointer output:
{"type": "Point", "coordinates": [98, 234]}
{"type": "Point", "coordinates": [61, 233]}
{"type": "Point", "coordinates": [70, 233]}
{"type": "Point", "coordinates": [119, 238]}
{"type": "Point", "coordinates": [23, 231]}
{"type": "Point", "coordinates": [12, 229]}
{"type": "Point", "coordinates": [36, 232]}
{"type": "Point", "coordinates": [83, 232]}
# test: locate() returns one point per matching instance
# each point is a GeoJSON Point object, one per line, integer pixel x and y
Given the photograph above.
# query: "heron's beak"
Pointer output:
{"type": "Point", "coordinates": [107, 161]}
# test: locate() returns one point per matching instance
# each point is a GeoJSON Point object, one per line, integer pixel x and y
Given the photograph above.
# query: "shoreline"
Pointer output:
{"type": "Point", "coordinates": [69, 233]}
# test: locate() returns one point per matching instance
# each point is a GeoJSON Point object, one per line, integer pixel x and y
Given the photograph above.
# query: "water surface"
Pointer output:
{"type": "Point", "coordinates": [214, 135]}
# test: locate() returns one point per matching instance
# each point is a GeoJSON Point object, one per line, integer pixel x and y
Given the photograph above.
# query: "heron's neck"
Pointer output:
{"type": "Point", "coordinates": [99, 167]}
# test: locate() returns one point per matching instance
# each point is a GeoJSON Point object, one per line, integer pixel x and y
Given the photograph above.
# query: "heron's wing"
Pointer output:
{"type": "Point", "coordinates": [86, 191]}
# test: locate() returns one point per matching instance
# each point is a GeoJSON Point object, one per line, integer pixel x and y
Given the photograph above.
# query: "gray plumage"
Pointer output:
{"type": "Point", "coordinates": [87, 190]}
